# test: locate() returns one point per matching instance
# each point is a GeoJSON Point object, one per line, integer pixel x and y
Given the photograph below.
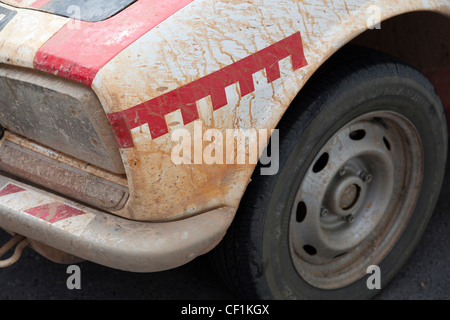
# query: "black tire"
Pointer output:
{"type": "Point", "coordinates": [256, 257]}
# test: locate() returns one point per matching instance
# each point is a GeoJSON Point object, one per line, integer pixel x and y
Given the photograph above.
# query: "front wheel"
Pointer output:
{"type": "Point", "coordinates": [362, 157]}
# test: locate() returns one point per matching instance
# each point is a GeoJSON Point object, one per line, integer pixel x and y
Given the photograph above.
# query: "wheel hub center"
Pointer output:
{"type": "Point", "coordinates": [350, 197]}
{"type": "Point", "coordinates": [345, 194]}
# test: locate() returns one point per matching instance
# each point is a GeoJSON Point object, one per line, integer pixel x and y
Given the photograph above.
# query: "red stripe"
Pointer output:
{"type": "Point", "coordinates": [10, 189]}
{"type": "Point", "coordinates": [184, 98]}
{"type": "Point", "coordinates": [55, 212]}
{"type": "Point", "coordinates": [39, 3]}
{"type": "Point", "coordinates": [79, 53]}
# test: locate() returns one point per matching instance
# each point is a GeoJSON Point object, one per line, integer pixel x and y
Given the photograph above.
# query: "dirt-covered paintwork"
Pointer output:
{"type": "Point", "coordinates": [161, 65]}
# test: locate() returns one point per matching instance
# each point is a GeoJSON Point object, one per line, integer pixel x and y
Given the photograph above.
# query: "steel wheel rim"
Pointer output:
{"type": "Point", "coordinates": [355, 199]}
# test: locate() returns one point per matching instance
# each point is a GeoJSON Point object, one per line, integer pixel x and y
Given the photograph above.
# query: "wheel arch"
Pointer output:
{"type": "Point", "coordinates": [418, 38]}
{"type": "Point", "coordinates": [410, 25]}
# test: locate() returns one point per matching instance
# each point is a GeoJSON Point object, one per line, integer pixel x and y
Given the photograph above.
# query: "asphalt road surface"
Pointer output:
{"type": "Point", "coordinates": [426, 276]}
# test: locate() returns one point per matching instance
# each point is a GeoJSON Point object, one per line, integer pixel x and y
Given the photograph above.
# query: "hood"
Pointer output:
{"type": "Point", "coordinates": [85, 10]}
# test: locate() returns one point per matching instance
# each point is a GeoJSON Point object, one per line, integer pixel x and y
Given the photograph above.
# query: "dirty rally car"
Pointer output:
{"type": "Point", "coordinates": [116, 146]}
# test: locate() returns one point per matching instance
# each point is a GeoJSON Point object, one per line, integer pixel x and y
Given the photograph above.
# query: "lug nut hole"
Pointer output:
{"type": "Point", "coordinates": [301, 212]}
{"type": "Point", "coordinates": [321, 163]}
{"type": "Point", "coordinates": [310, 250]}
{"type": "Point", "coordinates": [357, 135]}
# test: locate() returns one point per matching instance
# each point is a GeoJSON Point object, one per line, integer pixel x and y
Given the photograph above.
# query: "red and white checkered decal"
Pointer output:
{"type": "Point", "coordinates": [44, 207]}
